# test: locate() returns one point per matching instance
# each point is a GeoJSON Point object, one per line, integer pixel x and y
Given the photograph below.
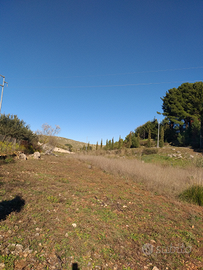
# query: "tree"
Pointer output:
{"type": "Point", "coordinates": [182, 107]}
{"type": "Point", "coordinates": [97, 146]}
{"type": "Point", "coordinates": [101, 144]}
{"type": "Point", "coordinates": [119, 143]}
{"type": "Point", "coordinates": [12, 126]}
{"type": "Point", "coordinates": [144, 129]}
{"type": "Point", "coordinates": [107, 144]}
{"type": "Point", "coordinates": [161, 144]}
{"type": "Point", "coordinates": [138, 139]}
{"type": "Point", "coordinates": [48, 133]}
{"type": "Point", "coordinates": [112, 143]}
{"type": "Point", "coordinates": [149, 139]}
{"type": "Point", "coordinates": [130, 140]}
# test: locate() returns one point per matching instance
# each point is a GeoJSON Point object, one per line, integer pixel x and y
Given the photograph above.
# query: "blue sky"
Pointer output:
{"type": "Point", "coordinates": [96, 68]}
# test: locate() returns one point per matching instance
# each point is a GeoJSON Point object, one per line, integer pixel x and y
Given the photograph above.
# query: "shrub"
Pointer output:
{"type": "Point", "coordinates": [69, 146]}
{"type": "Point", "coordinates": [8, 148]}
{"type": "Point", "coordinates": [135, 142]}
{"type": "Point", "coordinates": [150, 151]}
{"type": "Point", "coordinates": [193, 194]}
{"type": "Point", "coordinates": [12, 127]}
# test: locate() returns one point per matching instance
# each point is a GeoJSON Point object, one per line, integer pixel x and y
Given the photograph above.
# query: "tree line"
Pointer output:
{"type": "Point", "coordinates": [182, 124]}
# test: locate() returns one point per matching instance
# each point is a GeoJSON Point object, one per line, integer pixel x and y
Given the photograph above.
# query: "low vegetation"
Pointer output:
{"type": "Point", "coordinates": [166, 180]}
{"type": "Point", "coordinates": [61, 211]}
{"type": "Point", "coordinates": [193, 194]}
{"type": "Point", "coordinates": [16, 135]}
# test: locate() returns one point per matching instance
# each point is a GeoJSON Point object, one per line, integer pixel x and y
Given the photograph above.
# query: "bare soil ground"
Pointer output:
{"type": "Point", "coordinates": [58, 211]}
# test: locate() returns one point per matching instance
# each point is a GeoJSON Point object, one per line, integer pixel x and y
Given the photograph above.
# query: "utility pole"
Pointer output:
{"type": "Point", "coordinates": [158, 135]}
{"type": "Point", "coordinates": [2, 85]}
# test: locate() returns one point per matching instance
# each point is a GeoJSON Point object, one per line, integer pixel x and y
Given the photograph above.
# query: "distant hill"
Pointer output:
{"type": "Point", "coordinates": [64, 143]}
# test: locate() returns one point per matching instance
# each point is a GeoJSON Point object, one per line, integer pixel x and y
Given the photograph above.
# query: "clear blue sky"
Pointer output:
{"type": "Point", "coordinates": [96, 68]}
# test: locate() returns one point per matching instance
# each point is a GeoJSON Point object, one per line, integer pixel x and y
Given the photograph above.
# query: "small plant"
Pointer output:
{"type": "Point", "coordinates": [52, 199]}
{"type": "Point", "coordinates": [198, 162]}
{"type": "Point", "coordinates": [193, 194]}
{"type": "Point", "coordinates": [9, 159]}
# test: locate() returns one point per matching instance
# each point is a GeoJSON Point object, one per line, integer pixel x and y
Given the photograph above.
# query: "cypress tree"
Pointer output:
{"type": "Point", "coordinates": [112, 144]}
{"type": "Point", "coordinates": [161, 144]}
{"type": "Point", "coordinates": [149, 139]}
{"type": "Point", "coordinates": [107, 144]}
{"type": "Point", "coordinates": [101, 144]}
{"type": "Point", "coordinates": [119, 143]}
{"type": "Point", "coordinates": [130, 140]}
{"type": "Point", "coordinates": [138, 139]}
{"type": "Point", "coordinates": [97, 146]}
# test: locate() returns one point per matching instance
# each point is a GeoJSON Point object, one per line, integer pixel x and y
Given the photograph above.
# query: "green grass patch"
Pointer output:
{"type": "Point", "coordinates": [193, 194]}
{"type": "Point", "coordinates": [52, 199]}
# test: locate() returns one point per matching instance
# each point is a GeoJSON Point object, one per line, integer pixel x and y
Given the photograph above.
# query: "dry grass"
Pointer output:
{"type": "Point", "coordinates": [58, 211]}
{"type": "Point", "coordinates": [161, 179]}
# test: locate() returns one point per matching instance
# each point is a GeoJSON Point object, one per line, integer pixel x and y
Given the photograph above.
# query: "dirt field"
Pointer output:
{"type": "Point", "coordinates": [63, 213]}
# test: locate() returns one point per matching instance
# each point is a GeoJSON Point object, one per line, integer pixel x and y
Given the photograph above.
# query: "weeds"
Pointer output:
{"type": "Point", "coordinates": [52, 199]}
{"type": "Point", "coordinates": [193, 194]}
{"type": "Point", "coordinates": [162, 180]}
{"type": "Point", "coordinates": [102, 220]}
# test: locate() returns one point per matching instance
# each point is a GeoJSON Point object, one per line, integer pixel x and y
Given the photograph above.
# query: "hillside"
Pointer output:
{"type": "Point", "coordinates": [62, 142]}
{"type": "Point", "coordinates": [59, 212]}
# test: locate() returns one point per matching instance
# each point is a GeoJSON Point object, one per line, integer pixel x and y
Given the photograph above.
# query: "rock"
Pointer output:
{"type": "Point", "coordinates": [2, 265]}
{"type": "Point", "coordinates": [36, 155]}
{"type": "Point", "coordinates": [19, 248]}
{"type": "Point", "coordinates": [49, 151]}
{"type": "Point", "coordinates": [155, 268]}
{"type": "Point", "coordinates": [22, 156]}
{"type": "Point", "coordinates": [152, 241]}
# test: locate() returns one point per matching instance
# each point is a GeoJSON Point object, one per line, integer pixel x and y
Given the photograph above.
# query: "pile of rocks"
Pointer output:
{"type": "Point", "coordinates": [175, 155]}
{"type": "Point", "coordinates": [21, 155]}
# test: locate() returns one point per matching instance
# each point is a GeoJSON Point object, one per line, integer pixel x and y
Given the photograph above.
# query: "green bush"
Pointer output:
{"type": "Point", "coordinates": [11, 127]}
{"type": "Point", "coordinates": [69, 146]}
{"type": "Point", "coordinates": [193, 194]}
{"type": "Point", "coordinates": [7, 148]}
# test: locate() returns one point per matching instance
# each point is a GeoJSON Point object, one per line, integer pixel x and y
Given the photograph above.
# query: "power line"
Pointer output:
{"type": "Point", "coordinates": [116, 74]}
{"type": "Point", "coordinates": [112, 85]}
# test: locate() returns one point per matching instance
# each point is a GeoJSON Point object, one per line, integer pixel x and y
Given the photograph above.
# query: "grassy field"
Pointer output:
{"type": "Point", "coordinates": [57, 212]}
